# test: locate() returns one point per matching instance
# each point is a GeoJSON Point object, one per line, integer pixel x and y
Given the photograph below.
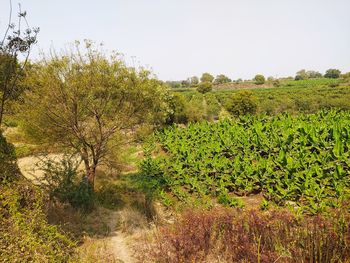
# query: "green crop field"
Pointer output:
{"type": "Point", "coordinates": [302, 160]}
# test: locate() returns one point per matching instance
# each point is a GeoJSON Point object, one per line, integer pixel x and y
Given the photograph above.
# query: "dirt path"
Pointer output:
{"type": "Point", "coordinates": [119, 242]}
{"type": "Point", "coordinates": [28, 165]}
{"type": "Point", "coordinates": [29, 168]}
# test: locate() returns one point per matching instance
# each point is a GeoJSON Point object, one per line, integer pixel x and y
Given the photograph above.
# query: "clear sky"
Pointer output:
{"type": "Point", "coordinates": [181, 38]}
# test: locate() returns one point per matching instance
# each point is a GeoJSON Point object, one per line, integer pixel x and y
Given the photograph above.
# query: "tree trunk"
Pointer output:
{"type": "Point", "coordinates": [2, 107]}
{"type": "Point", "coordinates": [91, 176]}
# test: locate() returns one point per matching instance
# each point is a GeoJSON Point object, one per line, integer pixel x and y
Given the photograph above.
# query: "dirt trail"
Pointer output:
{"type": "Point", "coordinates": [28, 165]}
{"type": "Point", "coordinates": [119, 241]}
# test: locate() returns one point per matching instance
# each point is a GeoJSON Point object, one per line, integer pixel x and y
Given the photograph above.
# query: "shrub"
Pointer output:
{"type": "Point", "coordinates": [259, 79]}
{"type": "Point", "coordinates": [205, 87]}
{"type": "Point", "coordinates": [276, 83]}
{"type": "Point", "coordinates": [25, 235]}
{"type": "Point", "coordinates": [8, 162]}
{"type": "Point", "coordinates": [178, 105]}
{"type": "Point", "coordinates": [242, 103]}
{"type": "Point", "coordinates": [60, 180]}
{"type": "Point", "coordinates": [332, 73]}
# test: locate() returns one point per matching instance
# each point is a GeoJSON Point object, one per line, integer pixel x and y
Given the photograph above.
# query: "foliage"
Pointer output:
{"type": "Point", "coordinates": [310, 74]}
{"type": "Point", "coordinates": [332, 73]}
{"type": "Point", "coordinates": [15, 42]}
{"type": "Point", "coordinates": [61, 181]}
{"type": "Point", "coordinates": [313, 74]}
{"type": "Point", "coordinates": [173, 84]}
{"type": "Point", "coordinates": [259, 79]}
{"type": "Point", "coordinates": [236, 236]}
{"type": "Point", "coordinates": [242, 103]}
{"type": "Point", "coordinates": [194, 81]}
{"type": "Point", "coordinates": [178, 105]}
{"type": "Point", "coordinates": [25, 234]}
{"type": "Point", "coordinates": [8, 162]}
{"type": "Point", "coordinates": [205, 87]}
{"type": "Point", "coordinates": [304, 159]}
{"type": "Point", "coordinates": [82, 101]}
{"type": "Point", "coordinates": [276, 83]}
{"type": "Point", "coordinates": [301, 75]}
{"type": "Point", "coordinates": [195, 110]}
{"type": "Point", "coordinates": [222, 79]}
{"type": "Point", "coordinates": [207, 77]}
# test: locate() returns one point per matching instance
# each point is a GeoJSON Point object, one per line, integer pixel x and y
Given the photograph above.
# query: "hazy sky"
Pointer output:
{"type": "Point", "coordinates": [181, 38]}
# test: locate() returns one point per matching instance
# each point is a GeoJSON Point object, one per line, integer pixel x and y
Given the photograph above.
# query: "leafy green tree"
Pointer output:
{"type": "Point", "coordinates": [242, 103]}
{"type": "Point", "coordinates": [206, 77]}
{"type": "Point", "coordinates": [15, 42]}
{"type": "Point", "coordinates": [313, 74]}
{"type": "Point", "coordinates": [259, 79]}
{"type": "Point", "coordinates": [221, 79]}
{"type": "Point", "coordinates": [301, 75]}
{"type": "Point", "coordinates": [332, 73]}
{"type": "Point", "coordinates": [86, 102]}
{"type": "Point", "coordinates": [178, 105]}
{"type": "Point", "coordinates": [205, 87]}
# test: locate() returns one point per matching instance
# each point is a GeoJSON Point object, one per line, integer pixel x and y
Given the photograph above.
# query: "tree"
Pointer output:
{"type": "Point", "coordinates": [301, 75]}
{"type": "Point", "coordinates": [185, 83]}
{"type": "Point", "coordinates": [194, 80]}
{"type": "Point", "coordinates": [15, 42]}
{"type": "Point", "coordinates": [178, 105]}
{"type": "Point", "coordinates": [205, 87]}
{"type": "Point", "coordinates": [85, 102]}
{"type": "Point", "coordinates": [332, 73]}
{"type": "Point", "coordinates": [173, 84]}
{"type": "Point", "coordinates": [259, 79]}
{"type": "Point", "coordinates": [313, 74]}
{"type": "Point", "coordinates": [221, 79]}
{"type": "Point", "coordinates": [206, 77]}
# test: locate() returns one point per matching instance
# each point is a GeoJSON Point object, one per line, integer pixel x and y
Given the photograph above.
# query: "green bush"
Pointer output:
{"type": "Point", "coordinates": [8, 162]}
{"type": "Point", "coordinates": [60, 180]}
{"type": "Point", "coordinates": [242, 103]}
{"type": "Point", "coordinates": [205, 87]}
{"type": "Point", "coordinates": [259, 79]}
{"type": "Point", "coordinates": [332, 73]}
{"type": "Point", "coordinates": [178, 105]}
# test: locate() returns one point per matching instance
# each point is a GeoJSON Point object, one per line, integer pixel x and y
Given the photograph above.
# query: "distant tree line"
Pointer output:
{"type": "Point", "coordinates": [206, 82]}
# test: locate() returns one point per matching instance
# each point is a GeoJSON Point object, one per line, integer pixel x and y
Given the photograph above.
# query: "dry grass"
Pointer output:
{"type": "Point", "coordinates": [94, 251]}
{"type": "Point", "coordinates": [224, 235]}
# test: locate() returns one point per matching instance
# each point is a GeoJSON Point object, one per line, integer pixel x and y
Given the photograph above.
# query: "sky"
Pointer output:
{"type": "Point", "coordinates": [178, 39]}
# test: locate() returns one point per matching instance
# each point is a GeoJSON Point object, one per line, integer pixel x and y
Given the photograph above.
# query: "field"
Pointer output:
{"type": "Point", "coordinates": [300, 160]}
{"type": "Point", "coordinates": [294, 97]}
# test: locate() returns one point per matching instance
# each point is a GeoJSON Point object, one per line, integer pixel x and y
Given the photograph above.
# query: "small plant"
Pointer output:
{"type": "Point", "coordinates": [265, 205]}
{"type": "Point", "coordinates": [231, 201]}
